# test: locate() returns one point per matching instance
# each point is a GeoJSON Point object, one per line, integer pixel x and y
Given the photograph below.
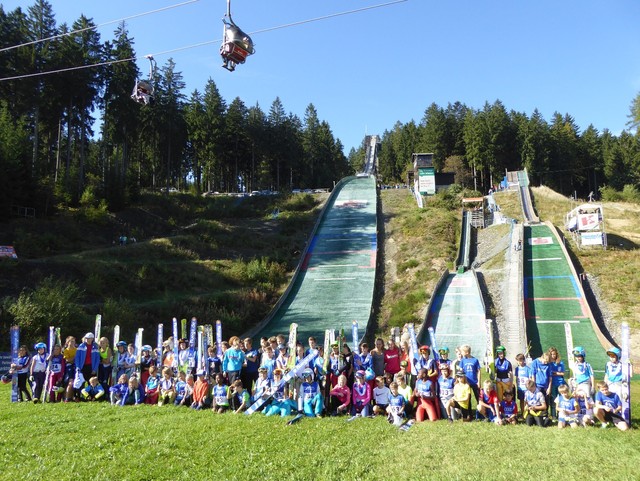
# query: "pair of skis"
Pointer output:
{"type": "Point", "coordinates": [297, 370]}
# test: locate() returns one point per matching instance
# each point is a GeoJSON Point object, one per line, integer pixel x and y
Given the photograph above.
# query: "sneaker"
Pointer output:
{"type": "Point", "coordinates": [450, 420]}
{"type": "Point", "coordinates": [604, 426]}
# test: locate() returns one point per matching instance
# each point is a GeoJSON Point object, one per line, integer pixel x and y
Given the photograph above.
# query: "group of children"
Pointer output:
{"type": "Point", "coordinates": [401, 386]}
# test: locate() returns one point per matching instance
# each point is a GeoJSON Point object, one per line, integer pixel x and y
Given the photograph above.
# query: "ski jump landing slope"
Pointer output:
{"type": "Point", "coordinates": [334, 282]}
{"type": "Point", "coordinates": [553, 295]}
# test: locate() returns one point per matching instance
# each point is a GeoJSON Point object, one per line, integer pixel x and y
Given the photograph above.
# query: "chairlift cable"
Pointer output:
{"type": "Point", "coordinates": [95, 27]}
{"type": "Point", "coordinates": [196, 45]}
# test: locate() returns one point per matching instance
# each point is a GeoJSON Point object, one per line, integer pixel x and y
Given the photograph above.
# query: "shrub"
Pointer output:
{"type": "Point", "coordinates": [52, 302]}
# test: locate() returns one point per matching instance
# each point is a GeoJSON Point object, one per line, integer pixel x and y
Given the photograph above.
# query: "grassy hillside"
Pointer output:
{"type": "Point", "coordinates": [418, 245]}
{"type": "Point", "coordinates": [221, 257]}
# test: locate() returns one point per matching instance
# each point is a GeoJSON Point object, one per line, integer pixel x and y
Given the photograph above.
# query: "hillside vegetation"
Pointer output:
{"type": "Point", "coordinates": [223, 258]}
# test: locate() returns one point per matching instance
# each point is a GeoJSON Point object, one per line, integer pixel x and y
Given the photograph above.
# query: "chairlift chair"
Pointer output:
{"type": "Point", "coordinates": [236, 44]}
{"type": "Point", "coordinates": [143, 89]}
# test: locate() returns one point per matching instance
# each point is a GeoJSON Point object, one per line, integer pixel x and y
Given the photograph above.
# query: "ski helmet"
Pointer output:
{"type": "Point", "coordinates": [500, 349]}
{"type": "Point", "coordinates": [614, 351]}
{"type": "Point", "coordinates": [369, 375]}
{"type": "Point", "coordinates": [147, 347]}
{"type": "Point", "coordinates": [360, 373]}
{"type": "Point", "coordinates": [443, 350]}
{"type": "Point", "coordinates": [40, 345]}
{"type": "Point", "coordinates": [121, 343]}
{"type": "Point", "coordinates": [308, 372]}
{"type": "Point", "coordinates": [579, 351]}
{"type": "Point", "coordinates": [6, 379]}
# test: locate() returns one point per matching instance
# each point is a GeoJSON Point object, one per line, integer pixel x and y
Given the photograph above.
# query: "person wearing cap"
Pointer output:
{"type": "Point", "coordinates": [360, 396]}
{"type": "Point", "coordinates": [504, 372]}
{"type": "Point", "coordinates": [87, 357]}
{"type": "Point", "coordinates": [312, 400]}
{"type": "Point", "coordinates": [582, 371]}
{"type": "Point", "coordinates": [38, 370]}
{"type": "Point", "coordinates": [146, 361]}
{"type": "Point", "coordinates": [443, 358]}
{"type": "Point", "coordinates": [461, 397]}
{"type": "Point", "coordinates": [613, 371]}
{"type": "Point", "coordinates": [121, 348]}
{"type": "Point", "coordinates": [423, 361]}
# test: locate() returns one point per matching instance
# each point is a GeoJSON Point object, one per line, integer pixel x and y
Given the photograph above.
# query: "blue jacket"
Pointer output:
{"type": "Point", "coordinates": [81, 355]}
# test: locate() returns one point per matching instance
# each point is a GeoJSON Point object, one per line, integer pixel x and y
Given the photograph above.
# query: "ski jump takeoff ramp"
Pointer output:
{"type": "Point", "coordinates": [334, 282]}
{"type": "Point", "coordinates": [457, 315]}
{"type": "Point", "coordinates": [456, 310]}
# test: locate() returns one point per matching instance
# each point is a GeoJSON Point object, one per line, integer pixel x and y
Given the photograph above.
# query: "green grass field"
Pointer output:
{"type": "Point", "coordinates": [99, 441]}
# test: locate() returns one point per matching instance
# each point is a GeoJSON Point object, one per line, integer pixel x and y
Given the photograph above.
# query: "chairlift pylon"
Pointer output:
{"type": "Point", "coordinates": [236, 44]}
{"type": "Point", "coordinates": [143, 89]}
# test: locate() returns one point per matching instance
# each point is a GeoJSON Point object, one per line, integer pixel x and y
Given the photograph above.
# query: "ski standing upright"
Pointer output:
{"type": "Point", "coordinates": [14, 334]}
{"type": "Point", "coordinates": [52, 340]}
{"type": "Point", "coordinates": [116, 354]}
{"type": "Point", "coordinates": [626, 374]}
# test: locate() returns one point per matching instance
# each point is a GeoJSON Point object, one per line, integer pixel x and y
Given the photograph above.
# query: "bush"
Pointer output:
{"type": "Point", "coordinates": [52, 302]}
{"type": "Point", "coordinates": [630, 193]}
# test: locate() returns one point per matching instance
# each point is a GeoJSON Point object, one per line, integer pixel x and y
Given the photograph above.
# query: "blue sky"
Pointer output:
{"type": "Point", "coordinates": [368, 70]}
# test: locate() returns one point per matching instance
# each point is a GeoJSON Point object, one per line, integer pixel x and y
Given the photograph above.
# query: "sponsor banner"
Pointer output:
{"type": "Point", "coordinates": [588, 221]}
{"type": "Point", "coordinates": [427, 180]}
{"type": "Point", "coordinates": [591, 238]}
